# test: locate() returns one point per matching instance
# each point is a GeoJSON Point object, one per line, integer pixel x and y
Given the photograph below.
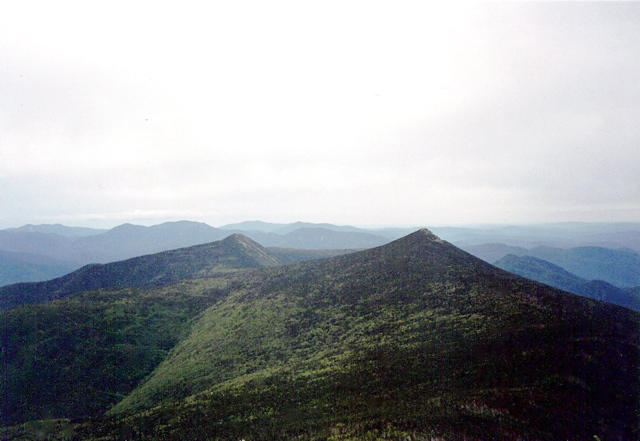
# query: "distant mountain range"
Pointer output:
{"type": "Point", "coordinates": [58, 229]}
{"type": "Point", "coordinates": [619, 267]}
{"type": "Point", "coordinates": [119, 243]}
{"type": "Point", "coordinates": [54, 250]}
{"type": "Point", "coordinates": [199, 261]}
{"type": "Point", "coordinates": [64, 249]}
{"type": "Point", "coordinates": [283, 229]}
{"type": "Point", "coordinates": [556, 235]}
{"type": "Point", "coordinates": [553, 275]}
{"type": "Point", "coordinates": [415, 339]}
{"type": "Point", "coordinates": [24, 267]}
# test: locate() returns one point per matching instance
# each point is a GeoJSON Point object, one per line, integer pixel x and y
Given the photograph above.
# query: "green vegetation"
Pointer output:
{"type": "Point", "coordinates": [80, 355]}
{"type": "Point", "coordinates": [414, 339]}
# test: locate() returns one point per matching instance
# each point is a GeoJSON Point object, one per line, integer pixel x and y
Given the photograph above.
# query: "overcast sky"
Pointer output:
{"type": "Point", "coordinates": [361, 113]}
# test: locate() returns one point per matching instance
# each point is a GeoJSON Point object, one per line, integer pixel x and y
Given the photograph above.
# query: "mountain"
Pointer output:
{"type": "Point", "coordinates": [414, 339]}
{"type": "Point", "coordinates": [309, 236]}
{"type": "Point", "coordinates": [83, 246]}
{"type": "Point", "coordinates": [325, 226]}
{"type": "Point", "coordinates": [129, 240]}
{"type": "Point", "coordinates": [282, 229]}
{"type": "Point", "coordinates": [24, 267]}
{"type": "Point", "coordinates": [601, 290]}
{"type": "Point", "coordinates": [546, 272]}
{"type": "Point", "coordinates": [323, 239]}
{"type": "Point", "coordinates": [394, 233]}
{"type": "Point", "coordinates": [619, 267]}
{"type": "Point", "coordinates": [122, 242]}
{"type": "Point", "coordinates": [42, 244]}
{"type": "Point", "coordinates": [415, 335]}
{"type": "Point", "coordinates": [58, 229]}
{"type": "Point", "coordinates": [541, 271]}
{"type": "Point", "coordinates": [492, 252]}
{"type": "Point", "coordinates": [556, 235]}
{"type": "Point", "coordinates": [234, 252]}
{"type": "Point", "coordinates": [245, 226]}
{"type": "Point", "coordinates": [317, 239]}
{"type": "Point", "coordinates": [112, 325]}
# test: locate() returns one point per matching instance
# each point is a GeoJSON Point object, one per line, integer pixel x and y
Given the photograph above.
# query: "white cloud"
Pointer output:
{"type": "Point", "coordinates": [351, 112]}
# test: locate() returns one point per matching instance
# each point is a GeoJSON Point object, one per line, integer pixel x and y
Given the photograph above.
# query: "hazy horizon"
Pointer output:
{"type": "Point", "coordinates": [351, 113]}
{"type": "Point", "coordinates": [108, 226]}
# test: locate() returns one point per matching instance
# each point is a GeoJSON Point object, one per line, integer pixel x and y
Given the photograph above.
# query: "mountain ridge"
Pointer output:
{"type": "Point", "coordinates": [128, 240]}
{"type": "Point", "coordinates": [411, 325]}
{"type": "Point", "coordinates": [553, 275]}
{"type": "Point", "coordinates": [81, 246]}
{"type": "Point", "coordinates": [59, 229]}
{"type": "Point", "coordinates": [234, 252]}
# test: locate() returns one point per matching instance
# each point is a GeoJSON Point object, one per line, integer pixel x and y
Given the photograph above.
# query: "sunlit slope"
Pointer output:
{"type": "Point", "coordinates": [78, 356]}
{"type": "Point", "coordinates": [416, 336]}
{"type": "Point", "coordinates": [81, 354]}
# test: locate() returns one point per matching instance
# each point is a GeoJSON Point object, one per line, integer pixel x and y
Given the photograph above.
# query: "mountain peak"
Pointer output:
{"type": "Point", "coordinates": [249, 251]}
{"type": "Point", "coordinates": [422, 253]}
{"type": "Point", "coordinates": [419, 238]}
{"type": "Point", "coordinates": [427, 234]}
{"type": "Point", "coordinates": [240, 239]}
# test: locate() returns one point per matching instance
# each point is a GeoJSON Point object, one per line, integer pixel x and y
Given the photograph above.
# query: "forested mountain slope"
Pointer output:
{"type": "Point", "coordinates": [416, 335]}
{"type": "Point", "coordinates": [234, 252]}
{"type": "Point", "coordinates": [412, 339]}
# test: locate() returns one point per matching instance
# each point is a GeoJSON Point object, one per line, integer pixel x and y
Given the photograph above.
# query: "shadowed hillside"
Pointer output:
{"type": "Point", "coordinates": [234, 252]}
{"type": "Point", "coordinates": [80, 355]}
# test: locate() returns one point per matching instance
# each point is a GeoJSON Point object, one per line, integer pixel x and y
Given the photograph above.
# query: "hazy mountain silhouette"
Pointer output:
{"type": "Point", "coordinates": [283, 229]}
{"type": "Point", "coordinates": [24, 267]}
{"type": "Point", "coordinates": [322, 238]}
{"type": "Point", "coordinates": [555, 235]}
{"type": "Point", "coordinates": [619, 267]}
{"type": "Point", "coordinates": [45, 244]}
{"type": "Point", "coordinates": [307, 236]}
{"type": "Point", "coordinates": [492, 252]}
{"type": "Point", "coordinates": [546, 272]}
{"type": "Point", "coordinates": [58, 229]}
{"type": "Point", "coordinates": [129, 240]}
